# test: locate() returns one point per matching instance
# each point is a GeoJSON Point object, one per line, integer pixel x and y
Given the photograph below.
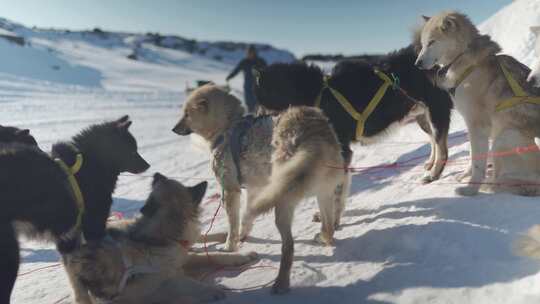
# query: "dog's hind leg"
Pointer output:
{"type": "Point", "coordinates": [232, 206]}
{"type": "Point", "coordinates": [198, 260]}
{"type": "Point", "coordinates": [424, 123]}
{"type": "Point", "coordinates": [341, 194]}
{"type": "Point", "coordinates": [9, 263]}
{"type": "Point", "coordinates": [347, 154]}
{"type": "Point", "coordinates": [328, 208]}
{"type": "Point", "coordinates": [439, 121]}
{"type": "Point", "coordinates": [248, 218]}
{"type": "Point", "coordinates": [284, 215]}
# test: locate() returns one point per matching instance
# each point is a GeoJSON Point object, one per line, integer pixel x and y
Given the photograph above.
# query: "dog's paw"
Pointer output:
{"type": "Point", "coordinates": [467, 190]}
{"type": "Point", "coordinates": [231, 246]}
{"type": "Point", "coordinates": [321, 239]}
{"type": "Point", "coordinates": [280, 287]}
{"type": "Point", "coordinates": [426, 179]}
{"type": "Point", "coordinates": [463, 177]}
{"type": "Point", "coordinates": [316, 217]}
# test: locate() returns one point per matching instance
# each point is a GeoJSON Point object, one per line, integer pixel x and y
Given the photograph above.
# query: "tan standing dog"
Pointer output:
{"type": "Point", "coordinates": [147, 258]}
{"type": "Point", "coordinates": [278, 159]}
{"type": "Point", "coordinates": [477, 79]}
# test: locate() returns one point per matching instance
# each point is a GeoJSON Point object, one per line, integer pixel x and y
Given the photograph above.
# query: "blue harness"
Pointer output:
{"type": "Point", "coordinates": [235, 141]}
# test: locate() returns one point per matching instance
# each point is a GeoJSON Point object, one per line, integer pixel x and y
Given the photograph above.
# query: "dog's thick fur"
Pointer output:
{"type": "Point", "coordinates": [282, 85]}
{"type": "Point", "coordinates": [286, 158]}
{"type": "Point", "coordinates": [36, 200]}
{"type": "Point", "coordinates": [159, 240]}
{"type": "Point", "coordinates": [450, 41]}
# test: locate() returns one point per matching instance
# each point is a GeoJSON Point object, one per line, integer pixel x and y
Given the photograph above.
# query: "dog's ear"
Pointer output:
{"type": "Point", "coordinates": [425, 18]}
{"type": "Point", "coordinates": [535, 30]}
{"type": "Point", "coordinates": [123, 119]}
{"type": "Point", "coordinates": [150, 208]}
{"type": "Point", "coordinates": [198, 191]}
{"type": "Point", "coordinates": [124, 125]}
{"type": "Point", "coordinates": [23, 132]}
{"type": "Point", "coordinates": [449, 23]}
{"type": "Point", "coordinates": [158, 177]}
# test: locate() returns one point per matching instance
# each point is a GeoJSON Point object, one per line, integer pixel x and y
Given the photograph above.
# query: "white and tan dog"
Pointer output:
{"type": "Point", "coordinates": [474, 75]}
{"type": "Point", "coordinates": [278, 159]}
{"type": "Point", "coordinates": [147, 259]}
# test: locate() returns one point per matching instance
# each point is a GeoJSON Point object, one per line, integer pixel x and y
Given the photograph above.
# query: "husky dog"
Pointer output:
{"type": "Point", "coordinates": [474, 74]}
{"type": "Point", "coordinates": [534, 76]}
{"type": "Point", "coordinates": [108, 149]}
{"type": "Point", "coordinates": [279, 160]}
{"type": "Point", "coordinates": [280, 86]}
{"type": "Point", "coordinates": [10, 134]}
{"type": "Point", "coordinates": [146, 260]}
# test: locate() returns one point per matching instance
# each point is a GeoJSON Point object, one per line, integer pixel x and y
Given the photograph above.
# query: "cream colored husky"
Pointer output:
{"type": "Point", "coordinates": [479, 81]}
{"type": "Point", "coordinates": [278, 159]}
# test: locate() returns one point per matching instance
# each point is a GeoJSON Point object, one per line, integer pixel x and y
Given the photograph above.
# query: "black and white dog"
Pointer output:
{"type": "Point", "coordinates": [280, 86]}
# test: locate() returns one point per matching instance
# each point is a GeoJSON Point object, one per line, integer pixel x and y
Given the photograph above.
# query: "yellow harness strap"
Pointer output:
{"type": "Point", "coordinates": [464, 75]}
{"type": "Point", "coordinates": [70, 172]}
{"type": "Point", "coordinates": [520, 96]}
{"type": "Point", "coordinates": [360, 117]}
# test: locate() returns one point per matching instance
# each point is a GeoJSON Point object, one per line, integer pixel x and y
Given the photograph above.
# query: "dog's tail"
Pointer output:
{"type": "Point", "coordinates": [288, 183]}
{"type": "Point", "coordinates": [282, 85]}
{"type": "Point", "coordinates": [529, 244]}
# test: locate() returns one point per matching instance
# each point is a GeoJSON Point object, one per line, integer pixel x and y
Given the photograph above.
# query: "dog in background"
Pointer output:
{"type": "Point", "coordinates": [282, 85]}
{"type": "Point", "coordinates": [279, 160]}
{"type": "Point", "coordinates": [474, 74]}
{"type": "Point", "coordinates": [146, 260]}
{"type": "Point", "coordinates": [10, 134]}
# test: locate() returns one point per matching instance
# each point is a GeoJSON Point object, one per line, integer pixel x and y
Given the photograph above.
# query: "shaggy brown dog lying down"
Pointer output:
{"type": "Point", "coordinates": [147, 258]}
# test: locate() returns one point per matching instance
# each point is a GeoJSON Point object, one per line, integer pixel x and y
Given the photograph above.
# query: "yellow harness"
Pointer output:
{"type": "Point", "coordinates": [520, 96]}
{"type": "Point", "coordinates": [360, 117]}
{"type": "Point", "coordinates": [76, 190]}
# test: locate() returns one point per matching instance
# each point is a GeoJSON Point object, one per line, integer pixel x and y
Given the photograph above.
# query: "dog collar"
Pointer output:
{"type": "Point", "coordinates": [461, 78]}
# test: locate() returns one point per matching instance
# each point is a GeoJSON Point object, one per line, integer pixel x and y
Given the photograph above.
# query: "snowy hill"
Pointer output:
{"type": "Point", "coordinates": [102, 59]}
{"type": "Point", "coordinates": [510, 28]}
{"type": "Point", "coordinates": [401, 241]}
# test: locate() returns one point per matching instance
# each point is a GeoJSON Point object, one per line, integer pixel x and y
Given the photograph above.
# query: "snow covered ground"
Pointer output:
{"type": "Point", "coordinates": [401, 242]}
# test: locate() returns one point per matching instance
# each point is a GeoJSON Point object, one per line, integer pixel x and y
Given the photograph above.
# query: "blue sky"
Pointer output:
{"type": "Point", "coordinates": [302, 26]}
